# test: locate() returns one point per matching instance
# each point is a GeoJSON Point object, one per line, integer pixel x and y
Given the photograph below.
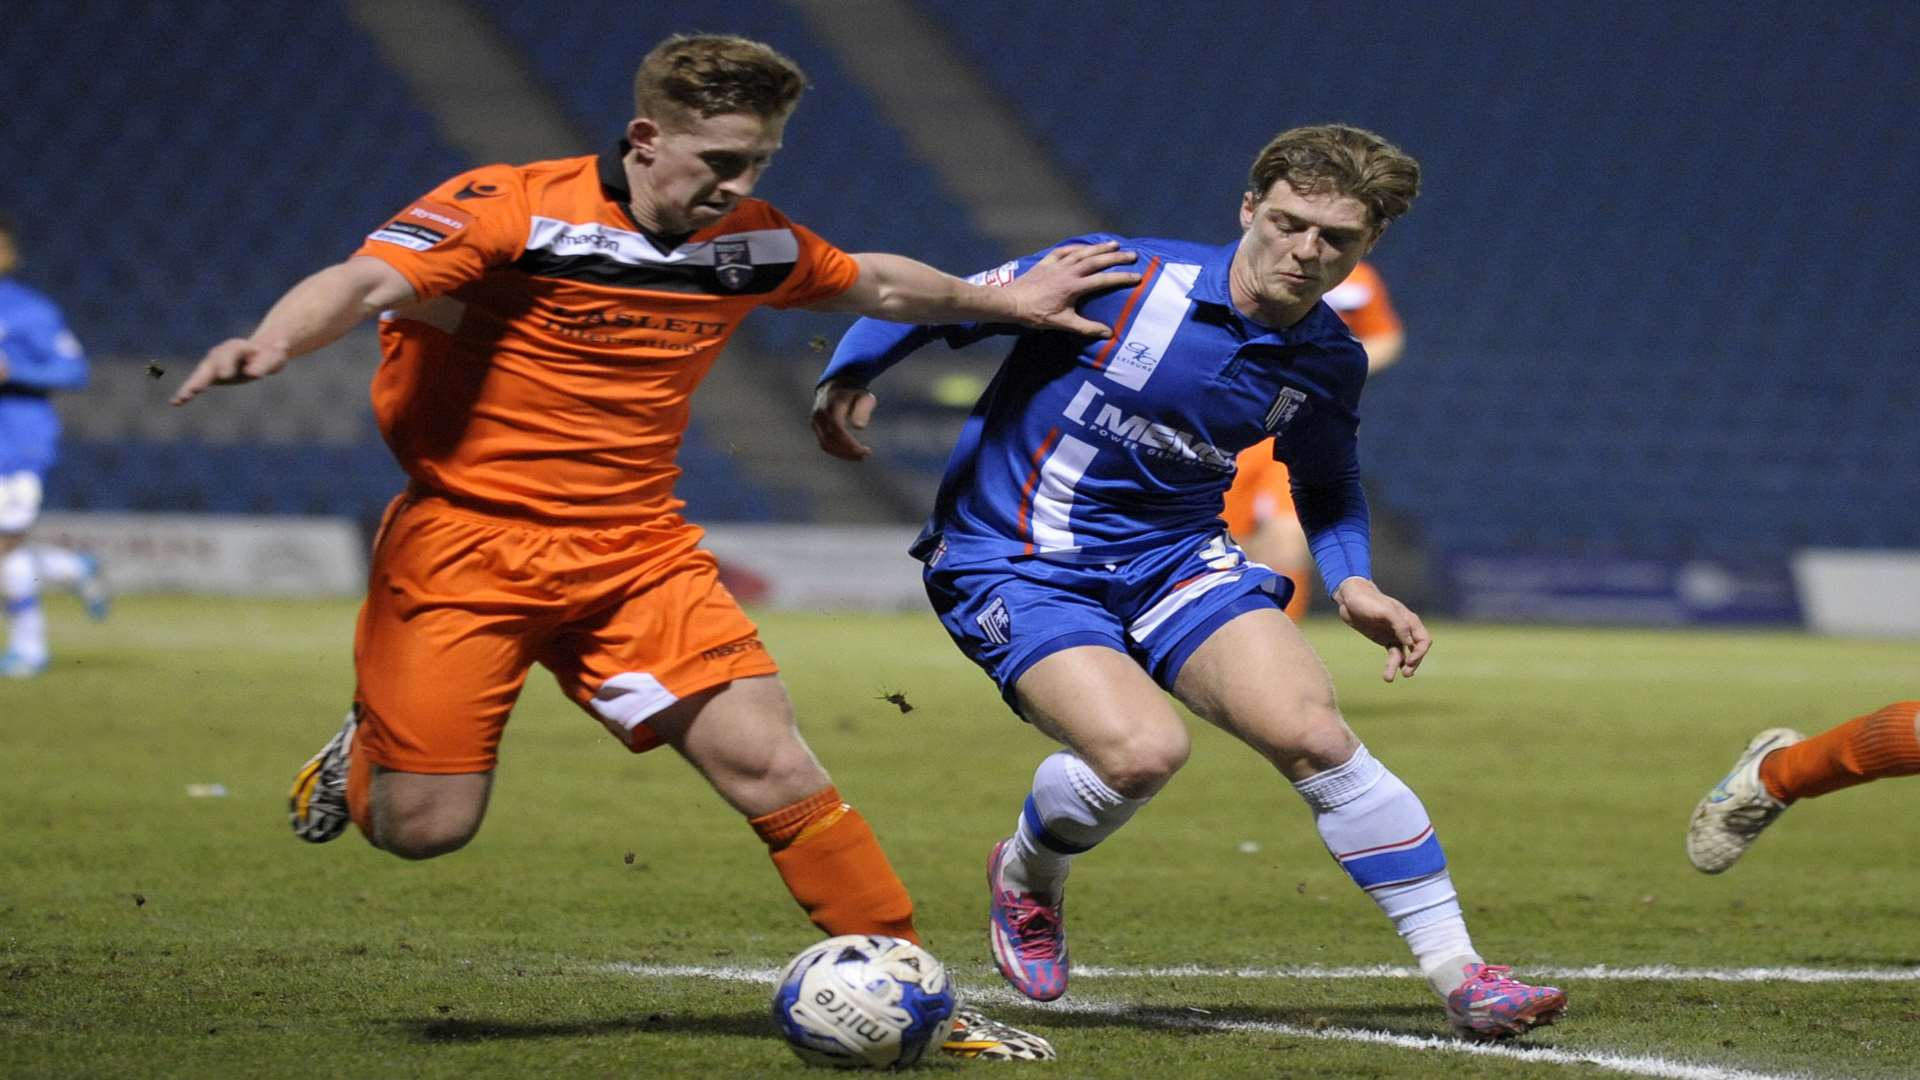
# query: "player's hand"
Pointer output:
{"type": "Point", "coordinates": [1045, 295]}
{"type": "Point", "coordinates": [236, 360]}
{"type": "Point", "coordinates": [840, 408]}
{"type": "Point", "coordinates": [1386, 622]}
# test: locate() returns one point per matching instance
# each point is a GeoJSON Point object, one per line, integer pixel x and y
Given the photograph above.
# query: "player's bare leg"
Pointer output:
{"type": "Point", "coordinates": [424, 815]}
{"type": "Point", "coordinates": [743, 739]}
{"type": "Point", "coordinates": [412, 815]}
{"type": "Point", "coordinates": [1258, 679]}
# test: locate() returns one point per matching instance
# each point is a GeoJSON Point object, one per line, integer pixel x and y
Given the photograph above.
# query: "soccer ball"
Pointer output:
{"type": "Point", "coordinates": [863, 1001]}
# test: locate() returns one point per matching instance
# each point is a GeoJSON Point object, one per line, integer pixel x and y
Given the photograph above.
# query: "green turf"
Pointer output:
{"type": "Point", "coordinates": [144, 932]}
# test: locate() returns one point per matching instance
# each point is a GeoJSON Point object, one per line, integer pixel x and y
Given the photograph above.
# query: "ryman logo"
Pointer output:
{"type": "Point", "coordinates": [732, 263]}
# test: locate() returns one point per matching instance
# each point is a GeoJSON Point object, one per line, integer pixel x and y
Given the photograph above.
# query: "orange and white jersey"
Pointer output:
{"type": "Point", "coordinates": [1361, 302]}
{"type": "Point", "coordinates": [546, 368]}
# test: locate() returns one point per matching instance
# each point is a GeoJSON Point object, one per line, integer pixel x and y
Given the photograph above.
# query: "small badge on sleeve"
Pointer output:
{"type": "Point", "coordinates": [423, 225]}
{"type": "Point", "coordinates": [998, 276]}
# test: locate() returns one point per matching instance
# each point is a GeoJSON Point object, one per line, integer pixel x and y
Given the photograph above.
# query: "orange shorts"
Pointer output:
{"type": "Point", "coordinates": [460, 606]}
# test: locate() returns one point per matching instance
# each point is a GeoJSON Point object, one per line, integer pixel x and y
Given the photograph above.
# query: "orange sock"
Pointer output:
{"type": "Point", "coordinates": [1864, 748]}
{"type": "Point", "coordinates": [833, 866]}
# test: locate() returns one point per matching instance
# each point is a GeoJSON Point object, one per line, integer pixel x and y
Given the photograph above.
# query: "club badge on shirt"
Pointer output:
{"type": "Point", "coordinates": [1284, 409]}
{"type": "Point", "coordinates": [732, 264]}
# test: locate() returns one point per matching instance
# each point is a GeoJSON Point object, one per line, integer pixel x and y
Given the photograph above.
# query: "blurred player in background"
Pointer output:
{"type": "Point", "coordinates": [1075, 553]}
{"type": "Point", "coordinates": [1780, 766]}
{"type": "Point", "coordinates": [1259, 510]}
{"type": "Point", "coordinates": [38, 356]}
{"type": "Point", "coordinates": [544, 328]}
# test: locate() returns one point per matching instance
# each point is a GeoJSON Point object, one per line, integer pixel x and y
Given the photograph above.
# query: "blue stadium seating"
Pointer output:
{"type": "Point", "coordinates": [174, 165]}
{"type": "Point", "coordinates": [1655, 283]}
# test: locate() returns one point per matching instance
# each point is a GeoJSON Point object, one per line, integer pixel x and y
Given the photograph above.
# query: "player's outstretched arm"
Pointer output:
{"type": "Point", "coordinates": [311, 314]}
{"type": "Point", "coordinates": [899, 289]}
{"type": "Point", "coordinates": [1386, 622]}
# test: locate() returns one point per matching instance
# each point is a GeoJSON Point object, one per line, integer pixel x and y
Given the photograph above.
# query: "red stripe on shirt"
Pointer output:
{"type": "Point", "coordinates": [1126, 313]}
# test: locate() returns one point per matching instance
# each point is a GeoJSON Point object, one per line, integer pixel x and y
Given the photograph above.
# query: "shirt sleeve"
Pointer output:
{"type": "Point", "coordinates": [41, 353]}
{"type": "Point", "coordinates": [1322, 453]}
{"type": "Point", "coordinates": [443, 240]}
{"type": "Point", "coordinates": [820, 272]}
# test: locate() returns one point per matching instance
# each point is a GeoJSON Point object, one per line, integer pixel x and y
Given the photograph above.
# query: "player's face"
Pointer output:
{"type": "Point", "coordinates": [695, 171]}
{"type": "Point", "coordinates": [1295, 248]}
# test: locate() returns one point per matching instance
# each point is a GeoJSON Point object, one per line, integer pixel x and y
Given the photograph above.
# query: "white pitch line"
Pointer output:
{"type": "Point", "coordinates": [1630, 1064]}
{"type": "Point", "coordinates": [1592, 973]}
{"type": "Point", "coordinates": [1600, 972]}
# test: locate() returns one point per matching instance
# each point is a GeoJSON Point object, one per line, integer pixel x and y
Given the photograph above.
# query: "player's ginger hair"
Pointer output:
{"type": "Point", "coordinates": [1340, 158]}
{"type": "Point", "coordinates": [710, 74]}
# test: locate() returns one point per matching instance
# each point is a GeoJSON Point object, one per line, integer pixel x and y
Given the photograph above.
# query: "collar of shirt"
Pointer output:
{"type": "Point", "coordinates": [613, 184]}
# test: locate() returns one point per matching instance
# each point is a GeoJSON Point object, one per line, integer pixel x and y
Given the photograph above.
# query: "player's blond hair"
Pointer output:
{"type": "Point", "coordinates": [1342, 159]}
{"type": "Point", "coordinates": [702, 75]}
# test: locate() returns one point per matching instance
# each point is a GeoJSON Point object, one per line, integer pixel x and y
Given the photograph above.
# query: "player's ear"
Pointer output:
{"type": "Point", "coordinates": [1247, 202]}
{"type": "Point", "coordinates": [644, 136]}
{"type": "Point", "coordinates": [1378, 232]}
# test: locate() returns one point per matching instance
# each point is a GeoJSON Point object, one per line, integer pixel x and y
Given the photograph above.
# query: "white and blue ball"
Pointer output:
{"type": "Point", "coordinates": [863, 1001]}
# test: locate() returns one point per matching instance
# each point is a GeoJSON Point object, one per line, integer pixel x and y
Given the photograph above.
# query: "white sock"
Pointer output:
{"type": "Point", "coordinates": [59, 566]}
{"type": "Point", "coordinates": [1069, 811]}
{"type": "Point", "coordinates": [26, 622]}
{"type": "Point", "coordinates": [1380, 833]}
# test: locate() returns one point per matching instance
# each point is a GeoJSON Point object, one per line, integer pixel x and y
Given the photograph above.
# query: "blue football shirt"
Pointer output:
{"type": "Point", "coordinates": [42, 356]}
{"type": "Point", "coordinates": [1087, 450]}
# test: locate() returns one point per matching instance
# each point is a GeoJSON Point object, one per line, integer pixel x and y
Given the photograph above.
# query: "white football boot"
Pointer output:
{"type": "Point", "coordinates": [1738, 808]}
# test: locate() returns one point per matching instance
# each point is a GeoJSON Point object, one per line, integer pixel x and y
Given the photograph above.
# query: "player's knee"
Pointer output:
{"type": "Point", "coordinates": [1141, 764]}
{"type": "Point", "coordinates": [422, 822]}
{"type": "Point", "coordinates": [1320, 741]}
{"type": "Point", "coordinates": [791, 772]}
{"type": "Point", "coordinates": [421, 836]}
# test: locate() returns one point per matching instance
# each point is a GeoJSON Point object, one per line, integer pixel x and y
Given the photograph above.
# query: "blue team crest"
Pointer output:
{"type": "Point", "coordinates": [732, 263]}
{"type": "Point", "coordinates": [996, 625]}
{"type": "Point", "coordinates": [1284, 408]}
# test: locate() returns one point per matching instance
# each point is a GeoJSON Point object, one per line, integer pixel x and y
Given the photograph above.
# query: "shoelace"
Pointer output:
{"type": "Point", "coordinates": [1496, 978]}
{"type": "Point", "coordinates": [1033, 925]}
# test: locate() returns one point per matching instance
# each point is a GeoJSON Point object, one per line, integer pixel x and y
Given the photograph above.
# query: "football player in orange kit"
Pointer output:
{"type": "Point", "coordinates": [543, 327]}
{"type": "Point", "coordinates": [1259, 511]}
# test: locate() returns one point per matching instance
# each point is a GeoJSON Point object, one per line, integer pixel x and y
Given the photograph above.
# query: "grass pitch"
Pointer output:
{"type": "Point", "coordinates": [613, 918]}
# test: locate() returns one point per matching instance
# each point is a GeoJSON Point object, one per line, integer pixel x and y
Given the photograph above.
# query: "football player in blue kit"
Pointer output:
{"type": "Point", "coordinates": [1075, 552]}
{"type": "Point", "coordinates": [39, 356]}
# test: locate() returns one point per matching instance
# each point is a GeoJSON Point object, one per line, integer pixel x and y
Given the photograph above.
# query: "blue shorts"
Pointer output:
{"type": "Point", "coordinates": [1157, 606]}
